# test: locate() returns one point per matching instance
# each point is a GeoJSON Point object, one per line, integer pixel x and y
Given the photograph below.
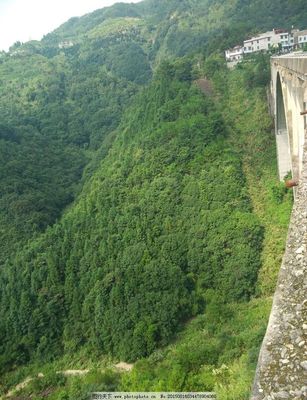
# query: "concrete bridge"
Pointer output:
{"type": "Point", "coordinates": [289, 94]}
{"type": "Point", "coordinates": [282, 365]}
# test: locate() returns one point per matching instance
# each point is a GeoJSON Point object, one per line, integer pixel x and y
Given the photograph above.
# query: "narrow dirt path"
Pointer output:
{"type": "Point", "coordinates": [121, 366]}
{"type": "Point", "coordinates": [20, 386]}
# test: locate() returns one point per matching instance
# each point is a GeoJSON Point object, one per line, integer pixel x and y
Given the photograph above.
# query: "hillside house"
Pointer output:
{"type": "Point", "coordinates": [277, 38]}
{"type": "Point", "coordinates": [66, 44]}
{"type": "Point", "coordinates": [234, 54]}
{"type": "Point", "coordinates": [265, 41]}
{"type": "Point", "coordinates": [300, 38]}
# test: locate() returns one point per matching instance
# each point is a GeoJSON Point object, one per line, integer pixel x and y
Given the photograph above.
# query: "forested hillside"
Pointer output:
{"type": "Point", "coordinates": [53, 120]}
{"type": "Point", "coordinates": [60, 98]}
{"type": "Point", "coordinates": [175, 28]}
{"type": "Point", "coordinates": [128, 263]}
{"type": "Point", "coordinates": [137, 209]}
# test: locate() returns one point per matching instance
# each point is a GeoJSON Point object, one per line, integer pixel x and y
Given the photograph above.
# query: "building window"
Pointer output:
{"type": "Point", "coordinates": [269, 39]}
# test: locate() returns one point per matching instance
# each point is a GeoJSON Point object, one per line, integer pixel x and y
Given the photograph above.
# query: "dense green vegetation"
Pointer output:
{"type": "Point", "coordinates": [64, 101]}
{"type": "Point", "coordinates": [218, 349]}
{"type": "Point", "coordinates": [168, 217]}
{"type": "Point", "coordinates": [55, 114]}
{"type": "Point", "coordinates": [179, 27]}
{"type": "Point", "coordinates": [141, 218]}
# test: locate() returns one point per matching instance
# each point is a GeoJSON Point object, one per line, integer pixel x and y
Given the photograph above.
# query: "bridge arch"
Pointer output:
{"type": "Point", "coordinates": [280, 106]}
{"type": "Point", "coordinates": [282, 132]}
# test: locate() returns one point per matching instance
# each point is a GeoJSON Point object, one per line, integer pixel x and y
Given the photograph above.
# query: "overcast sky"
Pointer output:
{"type": "Point", "coordinates": [25, 20]}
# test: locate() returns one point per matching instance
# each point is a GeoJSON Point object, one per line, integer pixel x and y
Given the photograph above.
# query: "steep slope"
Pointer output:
{"type": "Point", "coordinates": [123, 215]}
{"type": "Point", "coordinates": [60, 98]}
{"type": "Point", "coordinates": [57, 110]}
{"type": "Point", "coordinates": [217, 350]}
{"type": "Point", "coordinates": [152, 231]}
{"type": "Point", "coordinates": [177, 27]}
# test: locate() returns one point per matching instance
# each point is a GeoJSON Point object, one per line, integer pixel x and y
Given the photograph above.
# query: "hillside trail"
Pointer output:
{"type": "Point", "coordinates": [18, 387]}
{"type": "Point", "coordinates": [121, 366]}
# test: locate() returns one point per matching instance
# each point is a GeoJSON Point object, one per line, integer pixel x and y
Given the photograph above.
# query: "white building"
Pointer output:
{"type": "Point", "coordinates": [234, 54]}
{"type": "Point", "coordinates": [301, 37]}
{"type": "Point", "coordinates": [286, 41]}
{"type": "Point", "coordinates": [277, 38]}
{"type": "Point", "coordinates": [265, 41]}
{"type": "Point", "coordinates": [66, 44]}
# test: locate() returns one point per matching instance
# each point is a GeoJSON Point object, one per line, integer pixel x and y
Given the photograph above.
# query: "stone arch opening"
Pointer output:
{"type": "Point", "coordinates": [280, 108]}
{"type": "Point", "coordinates": [282, 137]}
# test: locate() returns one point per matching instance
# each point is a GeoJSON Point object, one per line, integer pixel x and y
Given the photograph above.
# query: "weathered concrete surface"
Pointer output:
{"type": "Point", "coordinates": [294, 62]}
{"type": "Point", "coordinates": [282, 364]}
